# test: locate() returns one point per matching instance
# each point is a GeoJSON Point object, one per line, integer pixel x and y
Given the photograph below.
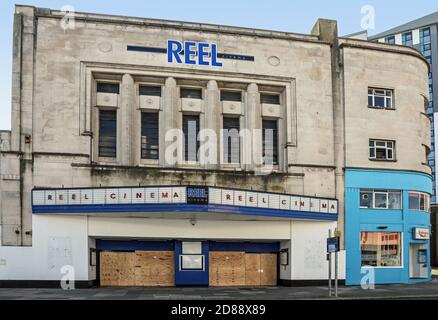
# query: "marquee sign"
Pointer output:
{"type": "Point", "coordinates": [181, 198]}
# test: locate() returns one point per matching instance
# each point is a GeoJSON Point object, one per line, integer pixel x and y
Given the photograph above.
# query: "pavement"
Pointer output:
{"type": "Point", "coordinates": [421, 291]}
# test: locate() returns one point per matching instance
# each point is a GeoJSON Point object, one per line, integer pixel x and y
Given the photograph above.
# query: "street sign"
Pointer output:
{"type": "Point", "coordinates": [333, 245]}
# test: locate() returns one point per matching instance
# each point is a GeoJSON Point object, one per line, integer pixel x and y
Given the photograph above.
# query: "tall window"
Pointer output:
{"type": "Point", "coordinates": [407, 39]}
{"type": "Point", "coordinates": [380, 98]}
{"type": "Point", "coordinates": [419, 201]}
{"type": "Point", "coordinates": [380, 199]}
{"type": "Point", "coordinates": [235, 96]}
{"type": "Point", "coordinates": [154, 91]}
{"type": "Point", "coordinates": [270, 142]}
{"type": "Point", "coordinates": [269, 98]}
{"type": "Point", "coordinates": [381, 249]}
{"type": "Point", "coordinates": [191, 132]}
{"type": "Point", "coordinates": [382, 150]}
{"type": "Point", "coordinates": [191, 93]}
{"type": "Point", "coordinates": [149, 135]}
{"type": "Point", "coordinates": [390, 40]}
{"type": "Point", "coordinates": [107, 133]}
{"type": "Point", "coordinates": [105, 87]}
{"type": "Point", "coordinates": [231, 140]}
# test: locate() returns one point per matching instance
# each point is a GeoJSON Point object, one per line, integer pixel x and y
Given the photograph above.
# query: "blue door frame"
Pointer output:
{"type": "Point", "coordinates": [191, 277]}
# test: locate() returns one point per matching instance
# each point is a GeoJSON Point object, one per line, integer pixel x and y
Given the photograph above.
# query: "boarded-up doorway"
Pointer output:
{"type": "Point", "coordinates": [242, 269]}
{"type": "Point", "coordinates": [139, 268]}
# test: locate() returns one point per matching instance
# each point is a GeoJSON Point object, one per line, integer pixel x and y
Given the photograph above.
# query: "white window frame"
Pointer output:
{"type": "Point", "coordinates": [381, 191]}
{"type": "Point", "coordinates": [426, 201]}
{"type": "Point", "coordinates": [375, 147]}
{"type": "Point", "coordinates": [382, 93]}
{"type": "Point", "coordinates": [402, 263]}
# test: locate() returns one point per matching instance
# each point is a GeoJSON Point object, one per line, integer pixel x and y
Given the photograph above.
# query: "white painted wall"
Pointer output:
{"type": "Point", "coordinates": [58, 240]}
{"type": "Point", "coordinates": [308, 250]}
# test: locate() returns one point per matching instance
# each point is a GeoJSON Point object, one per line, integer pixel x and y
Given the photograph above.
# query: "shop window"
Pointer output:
{"type": "Point", "coordinates": [382, 150]}
{"type": "Point", "coordinates": [191, 133]}
{"type": "Point", "coordinates": [270, 98]}
{"type": "Point", "coordinates": [191, 93]}
{"type": "Point", "coordinates": [104, 87]}
{"type": "Point", "coordinates": [419, 201]}
{"type": "Point", "coordinates": [149, 135]}
{"type": "Point", "coordinates": [154, 91]}
{"type": "Point", "coordinates": [107, 133]}
{"type": "Point", "coordinates": [270, 142]}
{"type": "Point", "coordinates": [380, 98]}
{"type": "Point", "coordinates": [381, 249]}
{"type": "Point", "coordinates": [380, 199]}
{"type": "Point", "coordinates": [231, 140]}
{"type": "Point", "coordinates": [235, 96]}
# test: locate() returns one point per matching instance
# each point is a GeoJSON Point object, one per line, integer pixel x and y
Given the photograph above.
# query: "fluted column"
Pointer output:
{"type": "Point", "coordinates": [170, 119]}
{"type": "Point", "coordinates": [126, 113]}
{"type": "Point", "coordinates": [212, 114]}
{"type": "Point", "coordinates": [253, 150]}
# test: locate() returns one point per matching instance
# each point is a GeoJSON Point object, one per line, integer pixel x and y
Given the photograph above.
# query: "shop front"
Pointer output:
{"type": "Point", "coordinates": [195, 236]}
{"type": "Point", "coordinates": [387, 227]}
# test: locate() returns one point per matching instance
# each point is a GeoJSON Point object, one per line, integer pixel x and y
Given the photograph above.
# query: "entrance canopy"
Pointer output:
{"type": "Point", "coordinates": [181, 199]}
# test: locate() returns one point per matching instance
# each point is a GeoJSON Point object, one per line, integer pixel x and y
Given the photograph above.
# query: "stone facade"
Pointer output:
{"type": "Point", "coordinates": [324, 123]}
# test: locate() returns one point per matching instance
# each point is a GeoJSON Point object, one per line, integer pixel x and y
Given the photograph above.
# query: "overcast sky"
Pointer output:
{"type": "Point", "coordinates": [283, 15]}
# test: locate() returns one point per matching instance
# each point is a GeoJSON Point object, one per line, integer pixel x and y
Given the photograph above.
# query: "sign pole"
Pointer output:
{"type": "Point", "coordinates": [330, 268]}
{"type": "Point", "coordinates": [336, 269]}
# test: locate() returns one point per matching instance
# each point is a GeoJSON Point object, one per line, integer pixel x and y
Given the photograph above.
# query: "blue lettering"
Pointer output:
{"type": "Point", "coordinates": [174, 52]}
{"type": "Point", "coordinates": [188, 52]}
{"type": "Point", "coordinates": [175, 49]}
{"type": "Point", "coordinates": [202, 53]}
{"type": "Point", "coordinates": [214, 61]}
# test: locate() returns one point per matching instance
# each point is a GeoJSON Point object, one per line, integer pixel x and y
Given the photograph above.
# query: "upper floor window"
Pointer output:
{"type": "Point", "coordinates": [235, 96]}
{"type": "Point", "coordinates": [270, 141]}
{"type": "Point", "coordinates": [150, 91]}
{"type": "Point", "coordinates": [382, 150]}
{"type": "Point", "coordinates": [269, 98]}
{"type": "Point", "coordinates": [149, 135]}
{"type": "Point", "coordinates": [425, 35]}
{"type": "Point", "coordinates": [380, 98]}
{"type": "Point", "coordinates": [407, 39]}
{"type": "Point", "coordinates": [191, 93]}
{"type": "Point", "coordinates": [231, 139]}
{"type": "Point", "coordinates": [105, 87]}
{"type": "Point", "coordinates": [191, 132]}
{"type": "Point", "coordinates": [380, 199]}
{"type": "Point", "coordinates": [107, 133]}
{"type": "Point", "coordinates": [419, 201]}
{"type": "Point", "coordinates": [390, 40]}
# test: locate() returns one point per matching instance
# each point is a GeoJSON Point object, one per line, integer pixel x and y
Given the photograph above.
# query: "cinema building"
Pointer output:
{"type": "Point", "coordinates": [101, 184]}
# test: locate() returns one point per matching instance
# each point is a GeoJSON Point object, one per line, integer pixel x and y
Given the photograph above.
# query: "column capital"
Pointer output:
{"type": "Point", "coordinates": [253, 87]}
{"type": "Point", "coordinates": [170, 82]}
{"type": "Point", "coordinates": [212, 85]}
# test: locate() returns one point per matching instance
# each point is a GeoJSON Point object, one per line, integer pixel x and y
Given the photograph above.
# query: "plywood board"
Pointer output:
{"type": "Point", "coordinates": [252, 269]}
{"type": "Point", "coordinates": [226, 268]}
{"type": "Point", "coordinates": [155, 268]}
{"type": "Point", "coordinates": [117, 269]}
{"type": "Point", "coordinates": [268, 265]}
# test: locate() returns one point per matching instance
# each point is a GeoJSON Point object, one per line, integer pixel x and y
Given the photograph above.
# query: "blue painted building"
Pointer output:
{"type": "Point", "coordinates": [384, 212]}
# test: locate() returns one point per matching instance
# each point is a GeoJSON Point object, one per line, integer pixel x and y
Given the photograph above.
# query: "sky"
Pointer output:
{"type": "Point", "coordinates": [281, 15]}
